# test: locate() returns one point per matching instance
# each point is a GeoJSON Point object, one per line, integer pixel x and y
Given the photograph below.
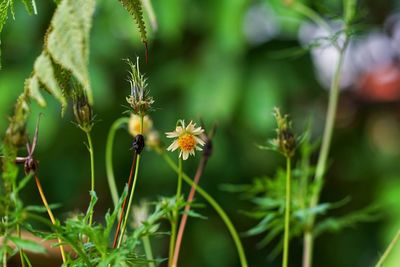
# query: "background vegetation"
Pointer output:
{"type": "Point", "coordinates": [229, 61]}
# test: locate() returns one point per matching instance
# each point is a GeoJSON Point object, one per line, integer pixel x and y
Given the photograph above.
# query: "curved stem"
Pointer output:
{"type": "Point", "coordinates": [21, 251]}
{"type": "Point", "coordinates": [92, 180]}
{"type": "Point", "coordinates": [51, 216]}
{"type": "Point", "coordinates": [287, 215]}
{"type": "Point", "coordinates": [109, 164]}
{"type": "Point", "coordinates": [323, 155]}
{"type": "Point", "coordinates": [216, 207]}
{"type": "Point", "coordinates": [388, 250]}
{"type": "Point", "coordinates": [148, 250]}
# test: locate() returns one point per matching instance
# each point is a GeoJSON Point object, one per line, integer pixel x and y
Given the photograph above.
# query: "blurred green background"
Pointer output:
{"type": "Point", "coordinates": [230, 62]}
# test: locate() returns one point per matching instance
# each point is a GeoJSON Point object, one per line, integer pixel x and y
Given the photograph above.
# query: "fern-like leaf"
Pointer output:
{"type": "Point", "coordinates": [134, 7]}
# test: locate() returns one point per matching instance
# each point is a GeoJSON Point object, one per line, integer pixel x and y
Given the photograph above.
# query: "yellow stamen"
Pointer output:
{"type": "Point", "coordinates": [186, 142]}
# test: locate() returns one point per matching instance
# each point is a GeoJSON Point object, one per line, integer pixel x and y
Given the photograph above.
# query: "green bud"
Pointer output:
{"type": "Point", "coordinates": [82, 110]}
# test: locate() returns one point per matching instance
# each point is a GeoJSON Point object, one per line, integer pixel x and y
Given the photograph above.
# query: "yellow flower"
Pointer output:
{"type": "Point", "coordinates": [134, 125]}
{"type": "Point", "coordinates": [188, 139]}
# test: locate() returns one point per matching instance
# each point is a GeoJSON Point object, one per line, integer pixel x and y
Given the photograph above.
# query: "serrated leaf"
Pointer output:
{"type": "Point", "coordinates": [43, 70]}
{"type": "Point", "coordinates": [134, 7]}
{"type": "Point", "coordinates": [4, 5]}
{"type": "Point", "coordinates": [68, 41]}
{"type": "Point", "coordinates": [32, 84]}
{"type": "Point", "coordinates": [27, 245]}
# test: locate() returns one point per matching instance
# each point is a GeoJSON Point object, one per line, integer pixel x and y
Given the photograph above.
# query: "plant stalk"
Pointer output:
{"type": "Point", "coordinates": [388, 250]}
{"type": "Point", "coordinates": [216, 207]}
{"type": "Point", "coordinates": [92, 179]}
{"type": "Point", "coordinates": [121, 216]}
{"type": "Point", "coordinates": [287, 215]}
{"type": "Point", "coordinates": [148, 250]}
{"type": "Point", "coordinates": [132, 190]}
{"type": "Point", "coordinates": [109, 165]}
{"type": "Point", "coordinates": [51, 216]}
{"type": "Point", "coordinates": [199, 173]}
{"type": "Point", "coordinates": [175, 218]}
{"type": "Point", "coordinates": [323, 155]}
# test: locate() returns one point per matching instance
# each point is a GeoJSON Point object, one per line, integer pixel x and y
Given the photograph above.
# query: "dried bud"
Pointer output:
{"type": "Point", "coordinates": [285, 140]}
{"type": "Point", "coordinates": [82, 110]}
{"type": "Point", "coordinates": [139, 100]}
{"type": "Point", "coordinates": [138, 143]}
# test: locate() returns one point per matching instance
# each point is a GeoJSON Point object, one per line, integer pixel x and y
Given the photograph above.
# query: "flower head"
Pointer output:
{"type": "Point", "coordinates": [139, 99]}
{"type": "Point", "coordinates": [188, 139]}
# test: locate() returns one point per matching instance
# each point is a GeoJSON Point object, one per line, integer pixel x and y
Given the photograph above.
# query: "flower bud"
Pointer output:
{"type": "Point", "coordinates": [82, 110]}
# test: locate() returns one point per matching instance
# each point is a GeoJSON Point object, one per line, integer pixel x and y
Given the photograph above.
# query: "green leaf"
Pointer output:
{"type": "Point", "coordinates": [32, 84]}
{"type": "Point", "coordinates": [27, 245]}
{"type": "Point", "coordinates": [4, 5]}
{"type": "Point", "coordinates": [30, 6]}
{"type": "Point", "coordinates": [134, 7]}
{"type": "Point", "coordinates": [68, 41]}
{"type": "Point", "coordinates": [43, 69]}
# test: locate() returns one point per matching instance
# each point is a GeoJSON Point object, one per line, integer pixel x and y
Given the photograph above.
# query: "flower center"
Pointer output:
{"type": "Point", "coordinates": [186, 142]}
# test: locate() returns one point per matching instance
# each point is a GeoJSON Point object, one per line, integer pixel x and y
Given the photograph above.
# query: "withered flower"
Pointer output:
{"type": "Point", "coordinates": [139, 99]}
{"type": "Point", "coordinates": [285, 141]}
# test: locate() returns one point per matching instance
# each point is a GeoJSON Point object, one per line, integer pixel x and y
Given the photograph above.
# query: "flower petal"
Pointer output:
{"type": "Point", "coordinates": [173, 146]}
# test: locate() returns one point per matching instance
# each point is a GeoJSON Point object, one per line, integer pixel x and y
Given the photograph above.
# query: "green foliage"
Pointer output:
{"type": "Point", "coordinates": [267, 194]}
{"type": "Point", "coordinates": [134, 7]}
{"type": "Point", "coordinates": [65, 54]}
{"type": "Point", "coordinates": [7, 6]}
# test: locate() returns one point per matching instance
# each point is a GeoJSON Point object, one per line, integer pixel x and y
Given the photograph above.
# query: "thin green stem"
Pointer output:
{"type": "Point", "coordinates": [125, 221]}
{"type": "Point", "coordinates": [92, 179]}
{"type": "Point", "coordinates": [216, 207]}
{"type": "Point", "coordinates": [109, 163]}
{"type": "Point", "coordinates": [172, 240]}
{"type": "Point", "coordinates": [5, 258]}
{"type": "Point", "coordinates": [174, 223]}
{"type": "Point", "coordinates": [179, 186]}
{"type": "Point", "coordinates": [287, 215]}
{"type": "Point", "coordinates": [312, 15]}
{"type": "Point", "coordinates": [124, 224]}
{"type": "Point", "coordinates": [323, 155]}
{"type": "Point", "coordinates": [21, 252]}
{"type": "Point", "coordinates": [388, 250]}
{"type": "Point", "coordinates": [148, 250]}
